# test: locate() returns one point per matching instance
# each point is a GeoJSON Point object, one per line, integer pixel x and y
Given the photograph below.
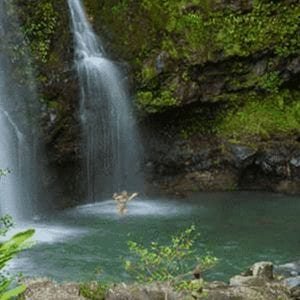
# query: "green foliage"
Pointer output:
{"type": "Point", "coordinates": [9, 249]}
{"type": "Point", "coordinates": [170, 26]}
{"type": "Point", "coordinates": [169, 263]}
{"type": "Point", "coordinates": [154, 104]}
{"type": "Point", "coordinates": [270, 82]}
{"type": "Point", "coordinates": [269, 26]}
{"type": "Point", "coordinates": [263, 115]}
{"type": "Point", "coordinates": [148, 72]}
{"type": "Point", "coordinates": [39, 28]}
{"type": "Point", "coordinates": [194, 32]}
{"type": "Point", "coordinates": [93, 291]}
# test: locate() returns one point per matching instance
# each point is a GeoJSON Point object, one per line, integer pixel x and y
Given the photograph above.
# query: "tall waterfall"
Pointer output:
{"type": "Point", "coordinates": [18, 186]}
{"type": "Point", "coordinates": [110, 140]}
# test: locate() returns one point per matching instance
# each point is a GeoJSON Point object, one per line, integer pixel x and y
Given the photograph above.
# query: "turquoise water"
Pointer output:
{"type": "Point", "coordinates": [239, 228]}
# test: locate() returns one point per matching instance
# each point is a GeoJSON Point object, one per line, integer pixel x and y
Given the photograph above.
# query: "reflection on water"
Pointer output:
{"type": "Point", "coordinates": [238, 228]}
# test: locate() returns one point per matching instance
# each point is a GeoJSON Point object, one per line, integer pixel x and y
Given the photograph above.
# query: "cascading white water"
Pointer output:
{"type": "Point", "coordinates": [18, 188]}
{"type": "Point", "coordinates": [110, 140]}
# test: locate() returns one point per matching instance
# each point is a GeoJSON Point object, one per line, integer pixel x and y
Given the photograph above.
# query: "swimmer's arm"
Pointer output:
{"type": "Point", "coordinates": [132, 196]}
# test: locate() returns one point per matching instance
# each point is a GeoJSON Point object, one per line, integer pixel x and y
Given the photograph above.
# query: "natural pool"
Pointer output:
{"type": "Point", "coordinates": [239, 228]}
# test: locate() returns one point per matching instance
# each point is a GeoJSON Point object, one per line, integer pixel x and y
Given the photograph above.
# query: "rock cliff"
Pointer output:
{"type": "Point", "coordinates": [215, 85]}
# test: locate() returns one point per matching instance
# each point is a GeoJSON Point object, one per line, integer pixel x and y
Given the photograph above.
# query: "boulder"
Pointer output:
{"type": "Point", "coordinates": [46, 289]}
{"type": "Point", "coordinates": [154, 291]}
{"type": "Point", "coordinates": [291, 187]}
{"type": "Point", "coordinates": [263, 269]}
{"type": "Point", "coordinates": [249, 293]}
{"type": "Point", "coordinates": [248, 288]}
{"type": "Point", "coordinates": [258, 289]}
{"type": "Point", "coordinates": [295, 162]}
{"type": "Point", "coordinates": [243, 156]}
{"type": "Point", "coordinates": [246, 281]}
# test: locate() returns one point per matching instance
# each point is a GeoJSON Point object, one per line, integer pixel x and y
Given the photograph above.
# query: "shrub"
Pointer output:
{"type": "Point", "coordinates": [93, 291]}
{"type": "Point", "coordinates": [8, 249]}
{"type": "Point", "coordinates": [168, 263]}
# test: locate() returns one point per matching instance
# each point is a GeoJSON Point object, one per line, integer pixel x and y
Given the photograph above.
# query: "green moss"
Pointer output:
{"type": "Point", "coordinates": [269, 82]}
{"type": "Point", "coordinates": [196, 35]}
{"type": "Point", "coordinates": [148, 73]}
{"type": "Point", "coordinates": [228, 97]}
{"type": "Point", "coordinates": [262, 116]}
{"type": "Point", "coordinates": [155, 103]}
{"type": "Point", "coordinates": [269, 25]}
{"type": "Point", "coordinates": [245, 115]}
{"type": "Point", "coordinates": [192, 33]}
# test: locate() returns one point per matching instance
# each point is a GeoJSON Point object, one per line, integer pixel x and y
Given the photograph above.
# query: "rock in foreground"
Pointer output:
{"type": "Point", "coordinates": [258, 283]}
{"type": "Point", "coordinates": [46, 289]}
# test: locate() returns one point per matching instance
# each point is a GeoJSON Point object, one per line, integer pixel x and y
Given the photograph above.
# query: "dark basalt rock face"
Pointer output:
{"type": "Point", "coordinates": [216, 81]}
{"type": "Point", "coordinates": [213, 164]}
{"type": "Point", "coordinates": [58, 90]}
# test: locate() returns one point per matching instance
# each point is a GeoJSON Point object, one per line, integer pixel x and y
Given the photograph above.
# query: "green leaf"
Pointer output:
{"type": "Point", "coordinates": [13, 293]}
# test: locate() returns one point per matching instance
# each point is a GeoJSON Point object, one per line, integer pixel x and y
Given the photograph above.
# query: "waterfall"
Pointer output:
{"type": "Point", "coordinates": [18, 151]}
{"type": "Point", "coordinates": [111, 147]}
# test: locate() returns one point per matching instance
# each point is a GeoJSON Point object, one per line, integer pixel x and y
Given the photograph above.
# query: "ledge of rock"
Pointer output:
{"type": "Point", "coordinates": [46, 289]}
{"type": "Point", "coordinates": [257, 283]}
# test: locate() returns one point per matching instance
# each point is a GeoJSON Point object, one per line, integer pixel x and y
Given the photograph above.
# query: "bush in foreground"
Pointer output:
{"type": "Point", "coordinates": [173, 263]}
{"type": "Point", "coordinates": [8, 250]}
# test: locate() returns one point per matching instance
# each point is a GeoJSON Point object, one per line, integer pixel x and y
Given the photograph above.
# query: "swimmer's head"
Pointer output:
{"type": "Point", "coordinates": [124, 193]}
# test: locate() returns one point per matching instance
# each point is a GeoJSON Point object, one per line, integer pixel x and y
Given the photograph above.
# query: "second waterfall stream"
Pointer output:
{"type": "Point", "coordinates": [21, 163]}
{"type": "Point", "coordinates": [110, 141]}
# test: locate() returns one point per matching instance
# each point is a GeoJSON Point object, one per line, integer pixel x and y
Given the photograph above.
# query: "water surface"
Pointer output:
{"type": "Point", "coordinates": [90, 242]}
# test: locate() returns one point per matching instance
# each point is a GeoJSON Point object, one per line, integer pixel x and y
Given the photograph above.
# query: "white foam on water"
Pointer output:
{"type": "Point", "coordinates": [137, 207]}
{"type": "Point", "coordinates": [45, 233]}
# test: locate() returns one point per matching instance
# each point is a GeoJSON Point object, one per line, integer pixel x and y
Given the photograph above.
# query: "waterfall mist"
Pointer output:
{"type": "Point", "coordinates": [111, 147]}
{"type": "Point", "coordinates": [19, 186]}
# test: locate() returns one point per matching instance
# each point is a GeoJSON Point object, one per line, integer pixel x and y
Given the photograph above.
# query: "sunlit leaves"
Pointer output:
{"type": "Point", "coordinates": [8, 250]}
{"type": "Point", "coordinates": [172, 262]}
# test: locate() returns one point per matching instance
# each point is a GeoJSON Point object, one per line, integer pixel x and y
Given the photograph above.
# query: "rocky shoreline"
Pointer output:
{"type": "Point", "coordinates": [262, 281]}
